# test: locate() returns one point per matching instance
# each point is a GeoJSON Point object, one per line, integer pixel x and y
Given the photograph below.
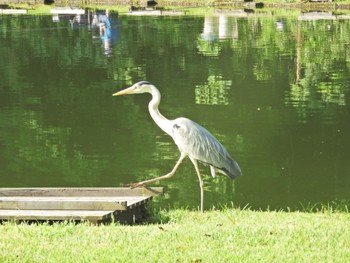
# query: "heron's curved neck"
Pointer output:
{"type": "Point", "coordinates": [161, 121]}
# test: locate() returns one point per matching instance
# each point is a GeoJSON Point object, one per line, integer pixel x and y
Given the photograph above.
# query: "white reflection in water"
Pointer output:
{"type": "Point", "coordinates": [216, 28]}
{"type": "Point", "coordinates": [213, 91]}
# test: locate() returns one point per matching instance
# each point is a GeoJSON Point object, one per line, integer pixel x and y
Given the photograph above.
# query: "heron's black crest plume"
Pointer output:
{"type": "Point", "coordinates": [143, 82]}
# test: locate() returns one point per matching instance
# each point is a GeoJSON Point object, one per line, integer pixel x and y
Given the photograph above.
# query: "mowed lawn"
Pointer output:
{"type": "Point", "coordinates": [231, 235]}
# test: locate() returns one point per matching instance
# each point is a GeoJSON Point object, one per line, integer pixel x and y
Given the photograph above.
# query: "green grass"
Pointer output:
{"type": "Point", "coordinates": [231, 235]}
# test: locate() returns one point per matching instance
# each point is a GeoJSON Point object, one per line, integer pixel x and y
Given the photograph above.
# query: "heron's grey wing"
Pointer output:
{"type": "Point", "coordinates": [200, 144]}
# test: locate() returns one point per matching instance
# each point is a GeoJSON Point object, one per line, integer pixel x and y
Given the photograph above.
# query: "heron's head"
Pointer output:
{"type": "Point", "coordinates": [137, 88]}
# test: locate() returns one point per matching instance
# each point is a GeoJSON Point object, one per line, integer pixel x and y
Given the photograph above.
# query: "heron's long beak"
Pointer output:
{"type": "Point", "coordinates": [123, 92]}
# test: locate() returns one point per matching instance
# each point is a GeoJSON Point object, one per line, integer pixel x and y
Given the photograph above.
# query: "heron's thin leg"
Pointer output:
{"type": "Point", "coordinates": [201, 183]}
{"type": "Point", "coordinates": [161, 177]}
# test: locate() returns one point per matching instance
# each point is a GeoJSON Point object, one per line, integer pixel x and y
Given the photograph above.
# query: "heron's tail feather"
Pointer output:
{"type": "Point", "coordinates": [233, 170]}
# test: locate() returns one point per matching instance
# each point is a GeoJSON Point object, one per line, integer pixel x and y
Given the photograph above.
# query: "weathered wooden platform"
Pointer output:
{"type": "Point", "coordinates": [12, 11]}
{"type": "Point", "coordinates": [96, 205]}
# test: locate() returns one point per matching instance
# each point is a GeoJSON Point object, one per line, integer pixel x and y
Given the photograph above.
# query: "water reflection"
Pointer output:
{"type": "Point", "coordinates": [279, 24]}
{"type": "Point", "coordinates": [217, 27]}
{"type": "Point", "coordinates": [317, 84]}
{"type": "Point", "coordinates": [220, 26]}
{"type": "Point", "coordinates": [103, 24]}
{"type": "Point", "coordinates": [281, 99]}
{"type": "Point", "coordinates": [107, 33]}
{"type": "Point", "coordinates": [213, 91]}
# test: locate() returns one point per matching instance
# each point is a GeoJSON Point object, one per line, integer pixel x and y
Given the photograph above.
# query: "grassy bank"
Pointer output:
{"type": "Point", "coordinates": [232, 235]}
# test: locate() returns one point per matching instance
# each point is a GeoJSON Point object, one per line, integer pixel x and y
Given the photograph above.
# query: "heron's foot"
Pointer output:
{"type": "Point", "coordinates": [134, 185]}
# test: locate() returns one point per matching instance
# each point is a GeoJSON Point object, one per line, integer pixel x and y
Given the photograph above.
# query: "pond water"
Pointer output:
{"type": "Point", "coordinates": [273, 89]}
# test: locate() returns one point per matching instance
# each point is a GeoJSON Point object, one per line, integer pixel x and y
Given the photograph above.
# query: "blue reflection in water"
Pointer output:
{"type": "Point", "coordinates": [109, 33]}
{"type": "Point", "coordinates": [104, 21]}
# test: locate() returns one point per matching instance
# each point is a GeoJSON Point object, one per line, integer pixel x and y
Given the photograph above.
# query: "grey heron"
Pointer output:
{"type": "Point", "coordinates": [192, 140]}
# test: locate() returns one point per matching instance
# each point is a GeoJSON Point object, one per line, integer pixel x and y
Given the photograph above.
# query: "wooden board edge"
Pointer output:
{"type": "Point", "coordinates": [81, 191]}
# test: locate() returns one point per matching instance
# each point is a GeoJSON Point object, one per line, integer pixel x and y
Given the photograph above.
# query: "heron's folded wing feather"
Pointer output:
{"type": "Point", "coordinates": [200, 144]}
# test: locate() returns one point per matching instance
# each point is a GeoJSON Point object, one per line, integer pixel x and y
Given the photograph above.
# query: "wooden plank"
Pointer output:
{"type": "Point", "coordinates": [75, 198]}
{"type": "Point", "coordinates": [93, 216]}
{"type": "Point", "coordinates": [82, 191]}
{"type": "Point", "coordinates": [47, 215]}
{"type": "Point", "coordinates": [91, 204]}
{"type": "Point", "coordinates": [63, 203]}
{"type": "Point", "coordinates": [13, 11]}
{"type": "Point", "coordinates": [70, 203]}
